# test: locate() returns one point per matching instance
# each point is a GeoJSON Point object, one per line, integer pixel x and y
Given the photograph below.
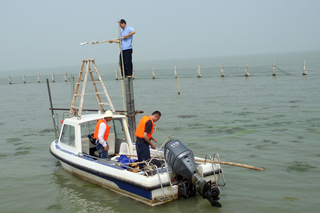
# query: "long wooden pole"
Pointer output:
{"type": "Point", "coordinates": [232, 164]}
{"type": "Point", "coordinates": [217, 162]}
{"type": "Point", "coordinates": [54, 123]}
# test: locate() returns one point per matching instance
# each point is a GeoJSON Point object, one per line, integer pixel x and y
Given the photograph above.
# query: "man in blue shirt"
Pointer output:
{"type": "Point", "coordinates": [126, 41]}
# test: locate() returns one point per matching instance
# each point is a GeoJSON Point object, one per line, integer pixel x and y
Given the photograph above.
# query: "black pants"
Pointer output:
{"type": "Point", "coordinates": [127, 61]}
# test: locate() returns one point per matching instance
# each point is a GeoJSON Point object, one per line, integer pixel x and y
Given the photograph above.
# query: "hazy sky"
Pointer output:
{"type": "Point", "coordinates": [47, 33]}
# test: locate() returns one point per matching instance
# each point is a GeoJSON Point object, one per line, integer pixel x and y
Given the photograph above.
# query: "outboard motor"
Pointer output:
{"type": "Point", "coordinates": [181, 161]}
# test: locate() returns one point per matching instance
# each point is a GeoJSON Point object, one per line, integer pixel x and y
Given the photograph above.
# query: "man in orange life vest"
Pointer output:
{"type": "Point", "coordinates": [101, 133]}
{"type": "Point", "coordinates": [144, 135]}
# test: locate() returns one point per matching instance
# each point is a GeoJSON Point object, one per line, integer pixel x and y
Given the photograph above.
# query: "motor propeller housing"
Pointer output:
{"type": "Point", "coordinates": [181, 162]}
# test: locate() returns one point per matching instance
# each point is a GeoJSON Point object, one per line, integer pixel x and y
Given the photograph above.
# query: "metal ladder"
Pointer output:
{"type": "Point", "coordinates": [77, 110]}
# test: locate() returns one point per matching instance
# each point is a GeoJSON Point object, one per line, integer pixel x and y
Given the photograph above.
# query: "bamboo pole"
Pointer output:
{"type": "Point", "coordinates": [232, 164]}
{"type": "Point", "coordinates": [222, 70]}
{"type": "Point", "coordinates": [153, 73]}
{"type": "Point", "coordinates": [175, 72]}
{"type": "Point", "coordinates": [246, 72]}
{"type": "Point", "coordinates": [304, 69]}
{"type": "Point", "coordinates": [199, 72]}
{"type": "Point", "coordinates": [217, 162]}
{"type": "Point", "coordinates": [116, 74]}
{"type": "Point", "coordinates": [178, 87]}
{"type": "Point", "coordinates": [274, 68]}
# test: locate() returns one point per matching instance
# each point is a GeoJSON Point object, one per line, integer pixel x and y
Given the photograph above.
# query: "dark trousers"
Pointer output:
{"type": "Point", "coordinates": [127, 61]}
{"type": "Point", "coordinates": [143, 151]}
{"type": "Point", "coordinates": [102, 153]}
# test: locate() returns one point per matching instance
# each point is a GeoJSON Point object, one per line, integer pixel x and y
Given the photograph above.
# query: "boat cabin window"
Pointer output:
{"type": "Point", "coordinates": [118, 130]}
{"type": "Point", "coordinates": [88, 128]}
{"type": "Point", "coordinates": [68, 135]}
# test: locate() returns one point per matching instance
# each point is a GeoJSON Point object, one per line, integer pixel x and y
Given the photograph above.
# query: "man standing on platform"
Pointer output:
{"type": "Point", "coordinates": [144, 135]}
{"type": "Point", "coordinates": [101, 133]}
{"type": "Point", "coordinates": [126, 41]}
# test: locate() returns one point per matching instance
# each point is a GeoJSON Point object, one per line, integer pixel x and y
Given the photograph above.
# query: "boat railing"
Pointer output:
{"type": "Point", "coordinates": [211, 158]}
{"type": "Point", "coordinates": [165, 197]}
{"type": "Point", "coordinates": [216, 155]}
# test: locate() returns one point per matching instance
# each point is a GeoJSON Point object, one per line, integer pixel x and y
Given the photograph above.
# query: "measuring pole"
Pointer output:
{"type": "Point", "coordinates": [129, 96]}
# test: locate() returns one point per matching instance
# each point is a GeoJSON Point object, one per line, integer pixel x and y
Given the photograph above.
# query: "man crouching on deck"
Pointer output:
{"type": "Point", "coordinates": [101, 133]}
{"type": "Point", "coordinates": [144, 135]}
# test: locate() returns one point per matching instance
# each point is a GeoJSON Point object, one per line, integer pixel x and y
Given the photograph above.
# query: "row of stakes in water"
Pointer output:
{"type": "Point", "coordinates": [24, 79]}
{"type": "Point", "coordinates": [246, 73]}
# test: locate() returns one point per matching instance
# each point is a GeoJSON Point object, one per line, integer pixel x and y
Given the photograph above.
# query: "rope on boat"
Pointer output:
{"type": "Point", "coordinates": [147, 163]}
{"type": "Point", "coordinates": [169, 137]}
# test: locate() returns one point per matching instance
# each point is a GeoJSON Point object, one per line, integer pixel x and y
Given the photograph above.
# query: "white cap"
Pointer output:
{"type": "Point", "coordinates": [108, 113]}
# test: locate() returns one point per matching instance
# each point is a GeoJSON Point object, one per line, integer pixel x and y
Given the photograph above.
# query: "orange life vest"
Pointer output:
{"type": "Point", "coordinates": [106, 133]}
{"type": "Point", "coordinates": [142, 125]}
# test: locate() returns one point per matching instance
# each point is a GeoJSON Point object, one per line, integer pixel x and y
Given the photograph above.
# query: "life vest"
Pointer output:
{"type": "Point", "coordinates": [96, 131]}
{"type": "Point", "coordinates": [142, 125]}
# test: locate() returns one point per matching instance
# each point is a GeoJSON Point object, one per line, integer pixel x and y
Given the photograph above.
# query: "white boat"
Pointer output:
{"type": "Point", "coordinates": [180, 173]}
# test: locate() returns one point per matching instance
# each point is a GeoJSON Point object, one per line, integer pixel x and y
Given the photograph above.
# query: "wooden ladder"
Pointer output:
{"type": "Point", "coordinates": [77, 110]}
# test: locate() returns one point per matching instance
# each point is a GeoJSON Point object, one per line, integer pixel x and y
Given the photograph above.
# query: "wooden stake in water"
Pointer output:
{"type": "Point", "coordinates": [10, 82]}
{"type": "Point", "coordinates": [116, 74]}
{"type": "Point", "coordinates": [178, 86]}
{"type": "Point", "coordinates": [38, 78]}
{"type": "Point", "coordinates": [175, 72]}
{"type": "Point", "coordinates": [246, 72]}
{"type": "Point", "coordinates": [65, 77]}
{"type": "Point", "coordinates": [53, 78]}
{"type": "Point", "coordinates": [222, 70]}
{"type": "Point", "coordinates": [24, 79]}
{"type": "Point", "coordinates": [153, 73]}
{"type": "Point", "coordinates": [274, 67]}
{"type": "Point", "coordinates": [304, 69]}
{"type": "Point", "coordinates": [199, 72]}
{"type": "Point", "coordinates": [72, 86]}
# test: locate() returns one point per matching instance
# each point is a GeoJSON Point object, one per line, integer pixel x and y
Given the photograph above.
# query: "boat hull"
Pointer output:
{"type": "Point", "coordinates": [151, 194]}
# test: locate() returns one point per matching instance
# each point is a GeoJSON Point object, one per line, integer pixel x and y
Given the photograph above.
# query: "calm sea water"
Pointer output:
{"type": "Point", "coordinates": [261, 120]}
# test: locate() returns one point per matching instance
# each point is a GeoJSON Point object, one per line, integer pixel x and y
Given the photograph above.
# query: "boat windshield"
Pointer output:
{"type": "Point", "coordinates": [68, 135]}
{"type": "Point", "coordinates": [118, 129]}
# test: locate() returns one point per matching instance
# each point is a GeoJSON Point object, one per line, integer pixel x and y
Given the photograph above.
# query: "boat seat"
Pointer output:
{"type": "Point", "coordinates": [123, 149]}
{"type": "Point", "coordinates": [111, 142]}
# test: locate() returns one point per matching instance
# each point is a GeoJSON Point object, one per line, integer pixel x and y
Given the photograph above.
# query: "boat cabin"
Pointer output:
{"type": "Point", "coordinates": [74, 135]}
